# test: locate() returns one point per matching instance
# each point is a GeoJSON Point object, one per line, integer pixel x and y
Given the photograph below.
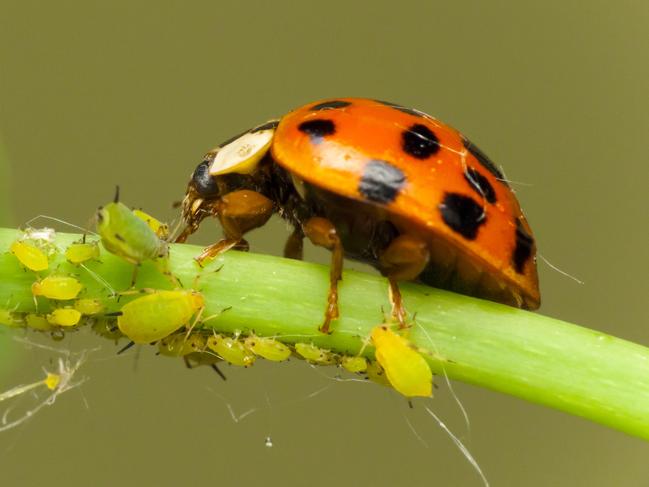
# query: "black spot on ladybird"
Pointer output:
{"type": "Point", "coordinates": [396, 106]}
{"type": "Point", "coordinates": [265, 126]}
{"type": "Point", "coordinates": [419, 141]}
{"type": "Point", "coordinates": [330, 105]}
{"type": "Point", "coordinates": [523, 249]}
{"type": "Point", "coordinates": [203, 182]}
{"type": "Point", "coordinates": [317, 129]}
{"type": "Point", "coordinates": [482, 158]}
{"type": "Point", "coordinates": [381, 181]}
{"type": "Point", "coordinates": [481, 184]}
{"type": "Point", "coordinates": [462, 214]}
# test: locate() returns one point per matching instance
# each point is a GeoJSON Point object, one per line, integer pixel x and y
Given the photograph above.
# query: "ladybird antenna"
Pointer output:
{"type": "Point", "coordinates": [116, 198]}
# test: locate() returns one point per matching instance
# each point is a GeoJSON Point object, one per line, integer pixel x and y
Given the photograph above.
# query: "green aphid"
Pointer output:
{"type": "Point", "coordinates": [9, 318]}
{"type": "Point", "coordinates": [266, 347]}
{"type": "Point", "coordinates": [315, 354]}
{"type": "Point", "coordinates": [126, 235]}
{"type": "Point", "coordinates": [159, 314]}
{"type": "Point", "coordinates": [231, 350]}
{"type": "Point", "coordinates": [179, 344]}
{"type": "Point", "coordinates": [354, 364]}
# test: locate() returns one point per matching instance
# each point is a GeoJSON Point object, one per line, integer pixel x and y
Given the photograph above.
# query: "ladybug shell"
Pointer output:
{"type": "Point", "coordinates": [429, 179]}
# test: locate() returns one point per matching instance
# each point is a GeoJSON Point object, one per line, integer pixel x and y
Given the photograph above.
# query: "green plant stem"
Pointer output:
{"type": "Point", "coordinates": [524, 354]}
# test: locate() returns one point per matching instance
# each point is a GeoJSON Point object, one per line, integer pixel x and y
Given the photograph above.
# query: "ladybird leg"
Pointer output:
{"type": "Point", "coordinates": [403, 260]}
{"type": "Point", "coordinates": [239, 212]}
{"type": "Point", "coordinates": [321, 232]}
{"type": "Point", "coordinates": [293, 249]}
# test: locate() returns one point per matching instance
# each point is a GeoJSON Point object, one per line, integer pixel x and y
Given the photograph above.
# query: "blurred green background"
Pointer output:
{"type": "Point", "coordinates": [98, 93]}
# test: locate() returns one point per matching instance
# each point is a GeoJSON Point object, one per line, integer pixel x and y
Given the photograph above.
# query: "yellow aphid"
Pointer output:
{"type": "Point", "coordinates": [38, 322]}
{"type": "Point", "coordinates": [30, 256]}
{"type": "Point", "coordinates": [231, 350]}
{"type": "Point", "coordinates": [88, 306]}
{"type": "Point", "coordinates": [52, 381]}
{"type": "Point", "coordinates": [406, 369]}
{"type": "Point", "coordinates": [159, 314]}
{"type": "Point", "coordinates": [354, 364]}
{"type": "Point", "coordinates": [314, 354]}
{"type": "Point", "coordinates": [269, 348]}
{"type": "Point", "coordinates": [57, 287]}
{"type": "Point", "coordinates": [64, 317]}
{"type": "Point", "coordinates": [160, 229]}
{"type": "Point", "coordinates": [179, 344]}
{"type": "Point", "coordinates": [80, 252]}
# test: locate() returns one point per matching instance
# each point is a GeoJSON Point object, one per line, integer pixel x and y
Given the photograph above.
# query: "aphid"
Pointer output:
{"type": "Point", "coordinates": [37, 322]}
{"type": "Point", "coordinates": [64, 317]}
{"type": "Point", "coordinates": [354, 364]}
{"type": "Point", "coordinates": [89, 306]}
{"type": "Point", "coordinates": [315, 354]}
{"type": "Point", "coordinates": [269, 348]}
{"type": "Point", "coordinates": [152, 317]}
{"type": "Point", "coordinates": [160, 229]}
{"type": "Point", "coordinates": [231, 350]}
{"type": "Point", "coordinates": [106, 328]}
{"type": "Point", "coordinates": [81, 252]}
{"type": "Point", "coordinates": [129, 237]}
{"type": "Point", "coordinates": [9, 318]}
{"type": "Point", "coordinates": [406, 369]}
{"type": "Point", "coordinates": [30, 256]}
{"type": "Point", "coordinates": [179, 344]}
{"type": "Point", "coordinates": [377, 182]}
{"type": "Point", "coordinates": [376, 374]}
{"type": "Point", "coordinates": [57, 287]}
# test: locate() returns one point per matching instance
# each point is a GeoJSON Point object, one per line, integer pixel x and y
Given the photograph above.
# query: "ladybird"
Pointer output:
{"type": "Point", "coordinates": [375, 182]}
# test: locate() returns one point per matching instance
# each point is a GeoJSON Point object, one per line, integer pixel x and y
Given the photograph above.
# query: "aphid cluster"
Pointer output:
{"type": "Point", "coordinates": [56, 291]}
{"type": "Point", "coordinates": [172, 319]}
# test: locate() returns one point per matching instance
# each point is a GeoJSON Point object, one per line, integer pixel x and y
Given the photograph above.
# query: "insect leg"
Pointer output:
{"type": "Point", "coordinates": [239, 212]}
{"type": "Point", "coordinates": [293, 249]}
{"type": "Point", "coordinates": [403, 260]}
{"type": "Point", "coordinates": [321, 232]}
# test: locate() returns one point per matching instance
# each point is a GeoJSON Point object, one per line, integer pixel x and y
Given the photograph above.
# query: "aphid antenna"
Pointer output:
{"type": "Point", "coordinates": [193, 325]}
{"type": "Point", "coordinates": [557, 269]}
{"type": "Point", "coordinates": [116, 198]}
{"type": "Point", "coordinates": [62, 222]}
{"type": "Point", "coordinates": [100, 280]}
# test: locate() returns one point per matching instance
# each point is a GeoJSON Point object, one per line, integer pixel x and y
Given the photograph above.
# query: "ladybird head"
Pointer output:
{"type": "Point", "coordinates": [239, 155]}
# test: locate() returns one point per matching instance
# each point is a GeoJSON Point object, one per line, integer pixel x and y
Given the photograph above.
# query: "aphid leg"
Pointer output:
{"type": "Point", "coordinates": [136, 269]}
{"type": "Point", "coordinates": [216, 369]}
{"type": "Point", "coordinates": [322, 233]}
{"type": "Point", "coordinates": [125, 347]}
{"type": "Point", "coordinates": [403, 260]}
{"type": "Point", "coordinates": [239, 212]}
{"type": "Point", "coordinates": [293, 249]}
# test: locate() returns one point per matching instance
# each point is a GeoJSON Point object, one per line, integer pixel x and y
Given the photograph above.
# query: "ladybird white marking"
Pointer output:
{"type": "Point", "coordinates": [243, 154]}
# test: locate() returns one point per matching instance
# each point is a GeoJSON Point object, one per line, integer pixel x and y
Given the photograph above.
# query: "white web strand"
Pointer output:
{"type": "Point", "coordinates": [67, 368]}
{"type": "Point", "coordinates": [563, 273]}
{"type": "Point", "coordinates": [460, 445]}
